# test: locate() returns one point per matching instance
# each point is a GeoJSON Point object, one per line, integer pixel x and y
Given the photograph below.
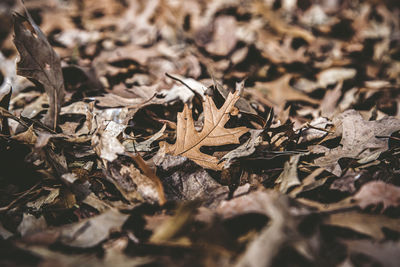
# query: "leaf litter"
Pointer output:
{"type": "Point", "coordinates": [206, 133]}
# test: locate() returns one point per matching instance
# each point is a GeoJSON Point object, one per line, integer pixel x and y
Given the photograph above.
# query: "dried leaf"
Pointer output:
{"type": "Point", "coordinates": [39, 62]}
{"type": "Point", "coordinates": [170, 229]}
{"type": "Point", "coordinates": [282, 53]}
{"type": "Point", "coordinates": [224, 39]}
{"type": "Point", "coordinates": [370, 194]}
{"type": "Point", "coordinates": [90, 232]}
{"type": "Point", "coordinates": [149, 173]}
{"type": "Point", "coordinates": [279, 25]}
{"type": "Point", "coordinates": [288, 177]}
{"type": "Point", "coordinates": [133, 185]}
{"type": "Point", "coordinates": [4, 233]}
{"type": "Point", "coordinates": [346, 183]}
{"type": "Point", "coordinates": [358, 139]}
{"type": "Point", "coordinates": [334, 75]}
{"type": "Point", "coordinates": [145, 146]}
{"type": "Point", "coordinates": [262, 249]}
{"type": "Point", "coordinates": [28, 137]}
{"type": "Point", "coordinates": [254, 202]}
{"type": "Point", "coordinates": [5, 96]}
{"type": "Point", "coordinates": [107, 145]}
{"type": "Point", "coordinates": [315, 129]}
{"type": "Point", "coordinates": [384, 254]}
{"type": "Point", "coordinates": [184, 180]}
{"type": "Point", "coordinates": [246, 149]}
{"type": "Point", "coordinates": [189, 141]}
{"type": "Point", "coordinates": [329, 102]}
{"type": "Point", "coordinates": [378, 192]}
{"type": "Point", "coordinates": [30, 224]}
{"type": "Point", "coordinates": [242, 104]}
{"type": "Point", "coordinates": [278, 92]}
{"type": "Point", "coordinates": [371, 225]}
{"type": "Point", "coordinates": [43, 200]}
{"type": "Point", "coordinates": [309, 183]}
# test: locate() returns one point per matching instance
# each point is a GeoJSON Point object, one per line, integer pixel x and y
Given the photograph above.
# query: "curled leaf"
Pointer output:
{"type": "Point", "coordinates": [38, 61]}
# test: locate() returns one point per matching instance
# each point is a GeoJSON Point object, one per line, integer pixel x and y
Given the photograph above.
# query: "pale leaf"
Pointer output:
{"type": "Point", "coordinates": [376, 192]}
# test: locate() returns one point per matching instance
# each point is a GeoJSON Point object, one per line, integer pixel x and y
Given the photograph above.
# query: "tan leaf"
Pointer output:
{"type": "Point", "coordinates": [279, 91]}
{"type": "Point", "coordinates": [27, 137]}
{"type": "Point", "coordinates": [289, 177]}
{"type": "Point", "coordinates": [170, 230]}
{"type": "Point", "coordinates": [189, 141]}
{"type": "Point", "coordinates": [154, 180]}
{"type": "Point", "coordinates": [364, 223]}
{"type": "Point", "coordinates": [224, 36]}
{"type": "Point", "coordinates": [370, 194]}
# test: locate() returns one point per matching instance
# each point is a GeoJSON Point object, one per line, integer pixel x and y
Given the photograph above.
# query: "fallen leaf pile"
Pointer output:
{"type": "Point", "coordinates": [199, 133]}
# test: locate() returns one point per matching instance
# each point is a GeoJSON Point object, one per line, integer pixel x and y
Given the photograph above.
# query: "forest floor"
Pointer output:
{"type": "Point", "coordinates": [200, 133]}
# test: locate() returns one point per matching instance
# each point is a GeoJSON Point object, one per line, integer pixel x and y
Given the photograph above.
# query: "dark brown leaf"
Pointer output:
{"type": "Point", "coordinates": [38, 61]}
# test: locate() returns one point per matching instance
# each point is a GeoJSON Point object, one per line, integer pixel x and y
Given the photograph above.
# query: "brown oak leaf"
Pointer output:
{"type": "Point", "coordinates": [189, 141]}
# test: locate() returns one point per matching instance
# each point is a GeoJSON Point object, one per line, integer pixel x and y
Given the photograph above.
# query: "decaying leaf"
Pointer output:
{"type": "Point", "coordinates": [278, 92]}
{"type": "Point", "coordinates": [224, 36]}
{"type": "Point", "coordinates": [83, 234]}
{"type": "Point", "coordinates": [245, 149]}
{"type": "Point", "coordinates": [346, 183]}
{"type": "Point", "coordinates": [288, 177]}
{"type": "Point", "coordinates": [378, 192]}
{"type": "Point", "coordinates": [334, 75]}
{"type": "Point", "coordinates": [368, 224]}
{"type": "Point", "coordinates": [371, 194]}
{"type": "Point", "coordinates": [315, 129]}
{"type": "Point", "coordinates": [90, 232]}
{"type": "Point", "coordinates": [152, 177]}
{"type": "Point", "coordinates": [27, 137]}
{"type": "Point", "coordinates": [242, 104]}
{"type": "Point", "coordinates": [184, 180]}
{"type": "Point", "coordinates": [358, 139]}
{"type": "Point", "coordinates": [133, 185]}
{"type": "Point", "coordinates": [132, 146]}
{"type": "Point", "coordinates": [189, 141]}
{"type": "Point", "coordinates": [208, 199]}
{"type": "Point", "coordinates": [309, 183]}
{"type": "Point", "coordinates": [43, 200]}
{"type": "Point", "coordinates": [107, 145]}
{"type": "Point", "coordinates": [4, 233]}
{"type": "Point", "coordinates": [383, 253]}
{"type": "Point", "coordinates": [30, 224]}
{"type": "Point", "coordinates": [39, 62]}
{"type": "Point", "coordinates": [262, 249]}
{"type": "Point", "coordinates": [169, 230]}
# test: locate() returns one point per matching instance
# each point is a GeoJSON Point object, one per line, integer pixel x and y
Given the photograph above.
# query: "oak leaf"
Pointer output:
{"type": "Point", "coordinates": [189, 141]}
{"type": "Point", "coordinates": [359, 140]}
